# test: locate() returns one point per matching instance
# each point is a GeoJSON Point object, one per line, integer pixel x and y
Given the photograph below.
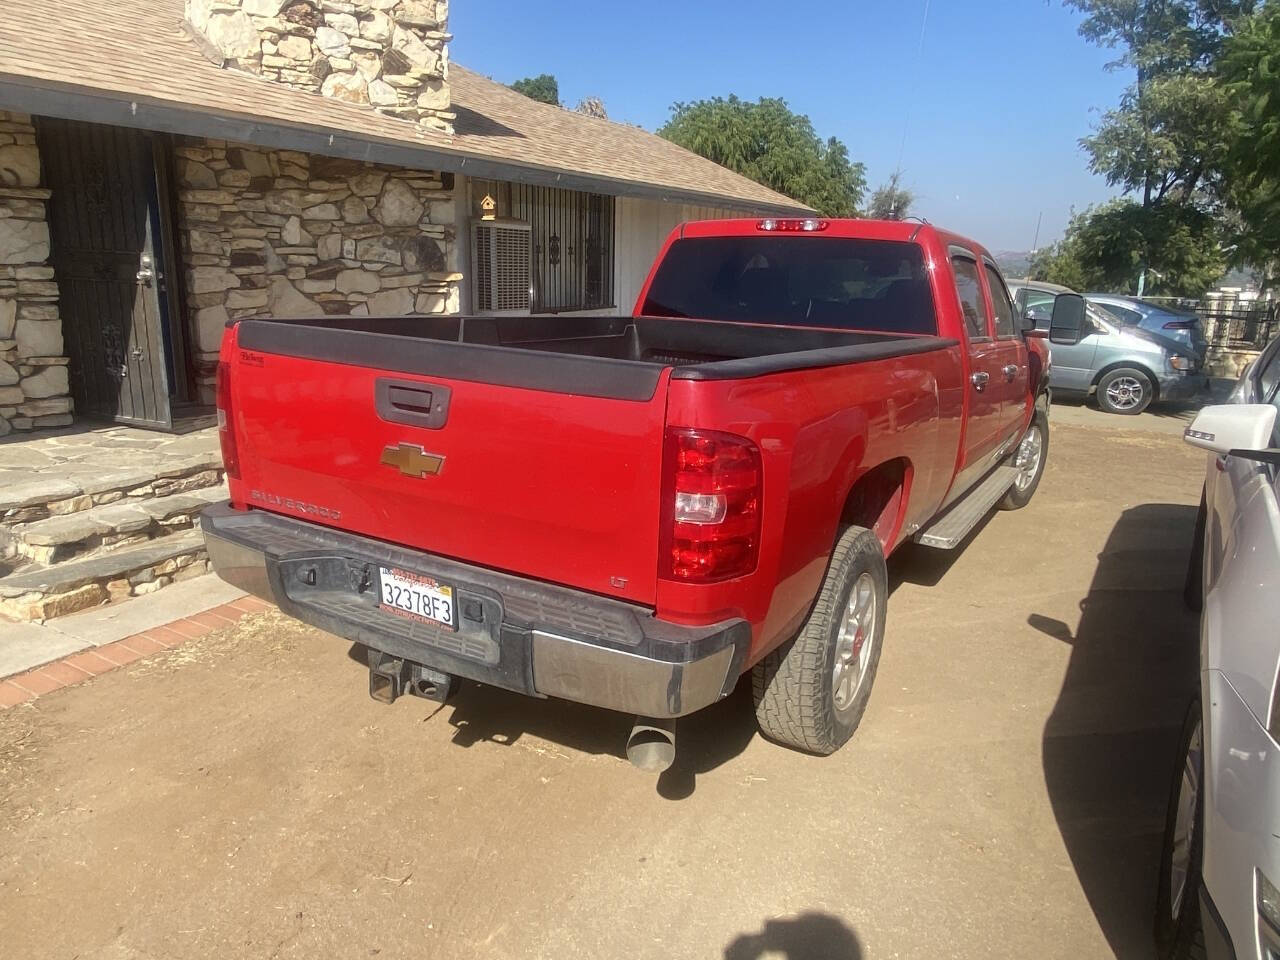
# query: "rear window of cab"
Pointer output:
{"type": "Point", "coordinates": [835, 282]}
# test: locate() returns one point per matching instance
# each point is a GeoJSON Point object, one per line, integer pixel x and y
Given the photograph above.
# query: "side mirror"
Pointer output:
{"type": "Point", "coordinates": [1238, 429]}
{"type": "Point", "coordinates": [1067, 325]}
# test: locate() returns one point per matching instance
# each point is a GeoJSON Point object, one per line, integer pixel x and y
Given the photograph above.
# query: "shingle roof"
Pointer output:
{"type": "Point", "coordinates": [128, 62]}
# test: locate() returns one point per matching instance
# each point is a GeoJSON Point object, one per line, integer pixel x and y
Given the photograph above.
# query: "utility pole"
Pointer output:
{"type": "Point", "coordinates": [1035, 243]}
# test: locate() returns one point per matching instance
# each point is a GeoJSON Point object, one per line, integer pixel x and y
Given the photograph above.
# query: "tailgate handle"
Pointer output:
{"type": "Point", "coordinates": [417, 404]}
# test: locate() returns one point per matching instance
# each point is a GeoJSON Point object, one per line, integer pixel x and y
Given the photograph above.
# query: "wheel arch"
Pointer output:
{"type": "Point", "coordinates": [878, 499]}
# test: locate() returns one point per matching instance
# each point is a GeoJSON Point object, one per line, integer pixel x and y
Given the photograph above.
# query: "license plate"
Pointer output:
{"type": "Point", "coordinates": [416, 597]}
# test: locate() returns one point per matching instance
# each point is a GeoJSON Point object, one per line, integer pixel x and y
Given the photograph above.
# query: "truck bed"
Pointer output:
{"type": "Point", "coordinates": [606, 356]}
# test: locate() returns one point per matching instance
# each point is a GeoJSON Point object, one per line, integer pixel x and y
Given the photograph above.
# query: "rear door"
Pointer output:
{"type": "Point", "coordinates": [983, 427]}
{"type": "Point", "coordinates": [500, 469]}
{"type": "Point", "coordinates": [1011, 351]}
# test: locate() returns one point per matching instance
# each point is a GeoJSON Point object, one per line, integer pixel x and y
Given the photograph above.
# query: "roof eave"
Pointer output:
{"type": "Point", "coordinates": [70, 102]}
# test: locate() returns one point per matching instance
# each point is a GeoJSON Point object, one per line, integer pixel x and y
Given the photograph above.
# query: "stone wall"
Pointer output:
{"type": "Point", "coordinates": [392, 54]}
{"type": "Point", "coordinates": [290, 234]}
{"type": "Point", "coordinates": [33, 371]}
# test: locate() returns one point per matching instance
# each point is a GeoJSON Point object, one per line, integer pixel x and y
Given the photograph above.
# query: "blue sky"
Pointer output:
{"type": "Point", "coordinates": [992, 107]}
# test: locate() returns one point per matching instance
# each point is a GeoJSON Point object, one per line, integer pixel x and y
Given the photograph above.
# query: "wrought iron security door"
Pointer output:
{"type": "Point", "coordinates": [103, 219]}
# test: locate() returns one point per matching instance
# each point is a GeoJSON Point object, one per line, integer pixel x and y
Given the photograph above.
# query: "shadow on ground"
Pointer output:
{"type": "Point", "coordinates": [707, 739]}
{"type": "Point", "coordinates": [809, 936]}
{"type": "Point", "coordinates": [1109, 744]}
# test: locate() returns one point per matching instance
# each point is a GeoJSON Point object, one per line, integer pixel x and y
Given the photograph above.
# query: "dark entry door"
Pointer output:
{"type": "Point", "coordinates": [104, 220]}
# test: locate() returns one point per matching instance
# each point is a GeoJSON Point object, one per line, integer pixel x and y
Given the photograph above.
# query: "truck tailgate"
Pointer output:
{"type": "Point", "coordinates": [554, 485]}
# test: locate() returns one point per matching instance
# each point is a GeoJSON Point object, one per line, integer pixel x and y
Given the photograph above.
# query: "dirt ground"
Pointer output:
{"type": "Point", "coordinates": [243, 797]}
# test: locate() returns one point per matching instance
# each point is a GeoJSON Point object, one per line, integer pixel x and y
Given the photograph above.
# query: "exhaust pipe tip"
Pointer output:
{"type": "Point", "coordinates": [651, 745]}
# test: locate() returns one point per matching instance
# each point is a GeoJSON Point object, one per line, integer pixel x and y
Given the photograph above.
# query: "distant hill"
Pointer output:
{"type": "Point", "coordinates": [1014, 263]}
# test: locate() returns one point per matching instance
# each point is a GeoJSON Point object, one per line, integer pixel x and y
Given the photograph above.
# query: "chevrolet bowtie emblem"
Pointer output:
{"type": "Point", "coordinates": [411, 460]}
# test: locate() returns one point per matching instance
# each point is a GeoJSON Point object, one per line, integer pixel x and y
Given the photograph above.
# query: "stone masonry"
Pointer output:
{"type": "Point", "coordinates": [392, 54]}
{"type": "Point", "coordinates": [280, 233]}
{"type": "Point", "coordinates": [33, 371]}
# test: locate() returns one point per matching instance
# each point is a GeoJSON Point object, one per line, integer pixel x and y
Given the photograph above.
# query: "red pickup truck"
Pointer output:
{"type": "Point", "coordinates": [632, 512]}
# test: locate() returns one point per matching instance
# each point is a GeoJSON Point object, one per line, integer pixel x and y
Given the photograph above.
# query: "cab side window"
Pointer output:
{"type": "Point", "coordinates": [1269, 388]}
{"type": "Point", "coordinates": [1000, 302]}
{"type": "Point", "coordinates": [971, 303]}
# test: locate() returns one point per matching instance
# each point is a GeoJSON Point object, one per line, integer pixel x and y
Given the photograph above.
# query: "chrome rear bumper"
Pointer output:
{"type": "Point", "coordinates": [535, 638]}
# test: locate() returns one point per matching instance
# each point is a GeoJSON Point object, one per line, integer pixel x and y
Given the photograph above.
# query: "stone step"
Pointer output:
{"type": "Point", "coordinates": [36, 497]}
{"type": "Point", "coordinates": [111, 527]}
{"type": "Point", "coordinates": [48, 592]}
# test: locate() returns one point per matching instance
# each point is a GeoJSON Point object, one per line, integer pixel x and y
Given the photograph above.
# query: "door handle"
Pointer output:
{"type": "Point", "coordinates": [1010, 371]}
{"type": "Point", "coordinates": [980, 379]}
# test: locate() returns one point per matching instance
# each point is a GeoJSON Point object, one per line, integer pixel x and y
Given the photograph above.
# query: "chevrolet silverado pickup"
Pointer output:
{"type": "Point", "coordinates": [633, 512]}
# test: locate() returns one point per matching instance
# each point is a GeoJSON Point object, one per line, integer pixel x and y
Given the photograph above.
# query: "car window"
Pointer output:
{"type": "Point", "coordinates": [1038, 305]}
{"type": "Point", "coordinates": [971, 303]}
{"type": "Point", "coordinates": [1268, 378]}
{"type": "Point", "coordinates": [1005, 326]}
{"type": "Point", "coordinates": [1126, 316]}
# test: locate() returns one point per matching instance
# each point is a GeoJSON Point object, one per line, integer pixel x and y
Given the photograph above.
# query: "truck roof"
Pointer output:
{"type": "Point", "coordinates": [902, 231]}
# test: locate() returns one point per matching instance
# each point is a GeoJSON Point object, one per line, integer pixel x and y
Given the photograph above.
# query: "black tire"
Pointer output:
{"type": "Point", "coordinates": [1193, 588]}
{"type": "Point", "coordinates": [1181, 936]}
{"type": "Point", "coordinates": [794, 686]}
{"type": "Point", "coordinates": [1129, 382]}
{"type": "Point", "coordinates": [1019, 497]}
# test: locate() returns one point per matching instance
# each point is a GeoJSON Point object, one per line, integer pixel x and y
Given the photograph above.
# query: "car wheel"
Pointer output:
{"type": "Point", "coordinates": [1125, 390]}
{"type": "Point", "coordinates": [1029, 458]}
{"type": "Point", "coordinates": [811, 692]}
{"type": "Point", "coordinates": [1178, 931]}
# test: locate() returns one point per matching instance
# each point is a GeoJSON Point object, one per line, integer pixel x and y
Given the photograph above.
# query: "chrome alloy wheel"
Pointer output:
{"type": "Point", "coordinates": [1184, 824]}
{"type": "Point", "coordinates": [1125, 393]}
{"type": "Point", "coordinates": [1027, 457]}
{"type": "Point", "coordinates": [855, 642]}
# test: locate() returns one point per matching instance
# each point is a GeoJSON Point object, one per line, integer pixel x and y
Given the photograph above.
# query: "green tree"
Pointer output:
{"type": "Point", "coordinates": [772, 145]}
{"type": "Point", "coordinates": [544, 88]}
{"type": "Point", "coordinates": [1166, 136]}
{"type": "Point", "coordinates": [891, 200]}
{"type": "Point", "coordinates": [1250, 73]}
{"type": "Point", "coordinates": [1105, 248]}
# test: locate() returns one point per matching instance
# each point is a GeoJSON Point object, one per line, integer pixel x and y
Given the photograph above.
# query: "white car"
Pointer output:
{"type": "Point", "coordinates": [1220, 867]}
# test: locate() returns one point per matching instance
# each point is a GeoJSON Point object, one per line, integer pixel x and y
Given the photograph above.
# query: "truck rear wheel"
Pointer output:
{"type": "Point", "coordinates": [811, 693]}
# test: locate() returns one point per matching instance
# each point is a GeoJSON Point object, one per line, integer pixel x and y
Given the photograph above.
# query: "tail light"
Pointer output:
{"type": "Point", "coordinates": [711, 497]}
{"type": "Point", "coordinates": [226, 423]}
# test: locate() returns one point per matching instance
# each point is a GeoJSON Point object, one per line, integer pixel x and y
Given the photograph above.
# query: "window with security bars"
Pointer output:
{"type": "Point", "coordinates": [500, 264]}
{"type": "Point", "coordinates": [572, 246]}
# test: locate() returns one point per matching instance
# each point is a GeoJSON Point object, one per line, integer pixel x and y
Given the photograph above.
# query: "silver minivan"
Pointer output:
{"type": "Point", "coordinates": [1125, 367]}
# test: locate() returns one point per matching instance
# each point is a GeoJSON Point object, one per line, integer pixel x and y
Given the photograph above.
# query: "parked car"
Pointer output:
{"type": "Point", "coordinates": [1181, 325]}
{"type": "Point", "coordinates": [1220, 869]}
{"type": "Point", "coordinates": [1126, 368]}
{"type": "Point", "coordinates": [632, 512]}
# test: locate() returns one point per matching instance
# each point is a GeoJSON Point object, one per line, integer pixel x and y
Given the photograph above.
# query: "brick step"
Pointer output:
{"type": "Point", "coordinates": [39, 497]}
{"type": "Point", "coordinates": [107, 528]}
{"type": "Point", "coordinates": [47, 592]}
